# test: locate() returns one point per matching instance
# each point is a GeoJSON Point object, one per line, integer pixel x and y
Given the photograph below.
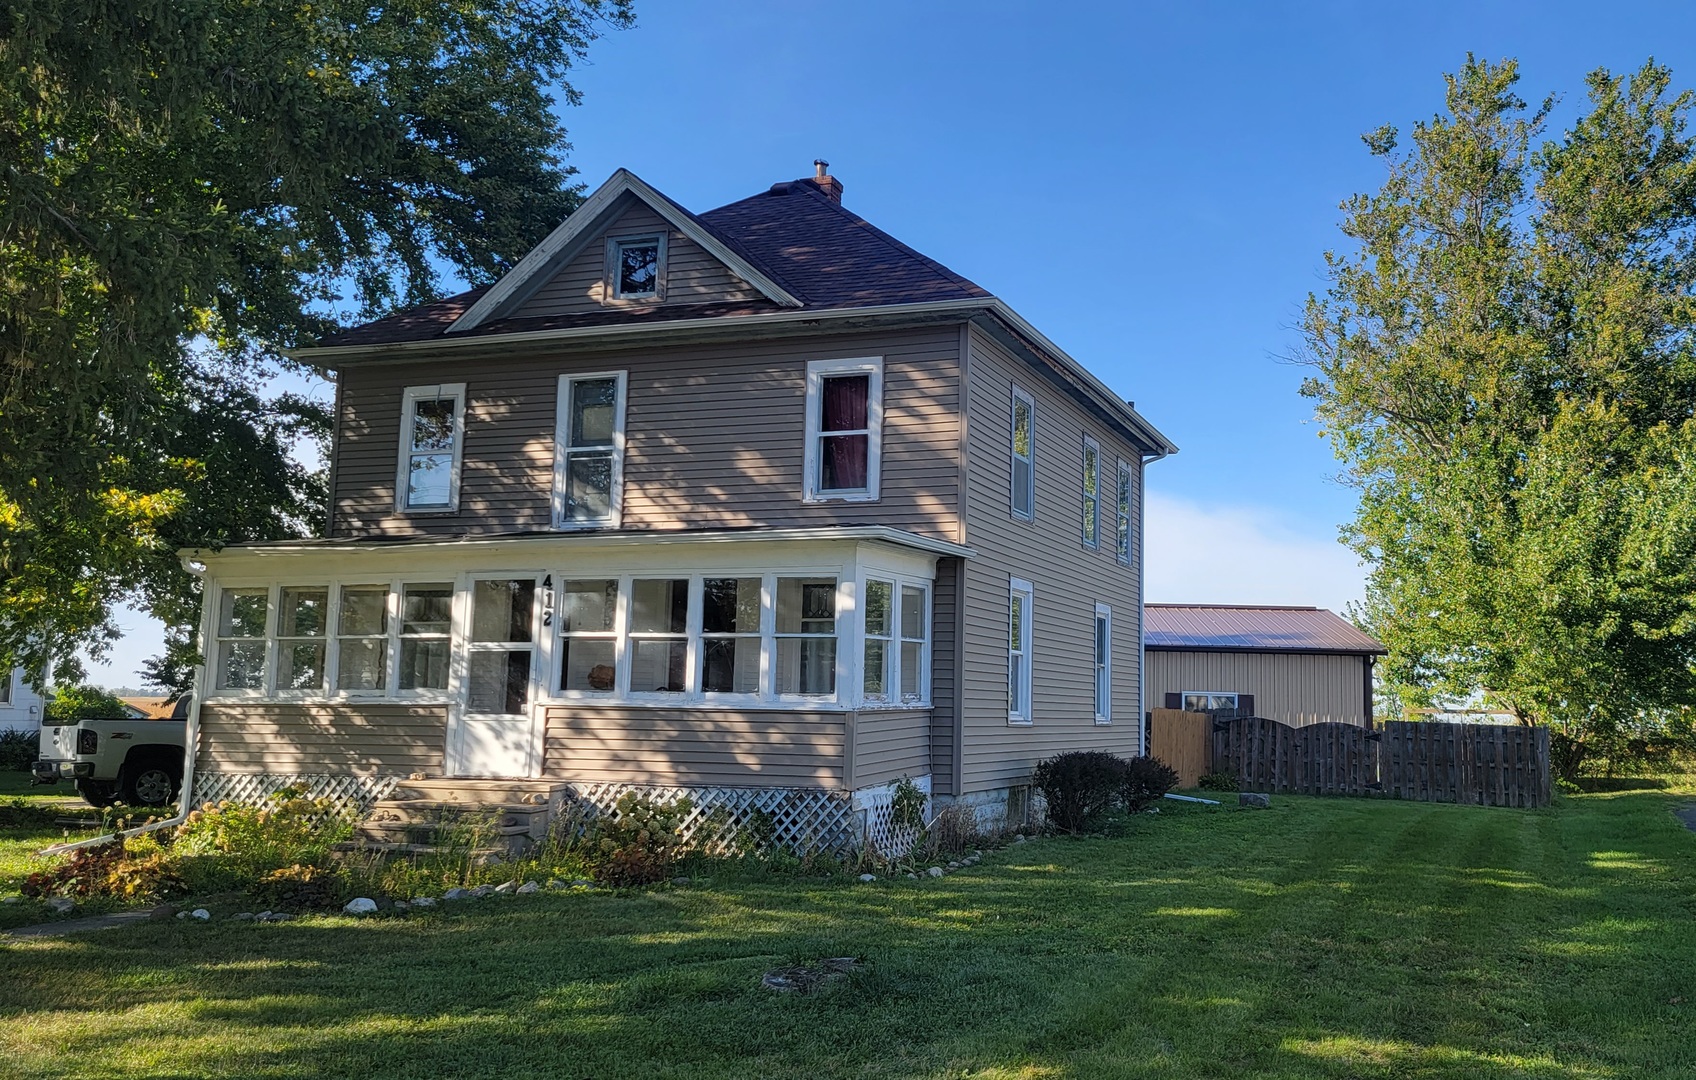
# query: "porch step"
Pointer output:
{"type": "Point", "coordinates": [504, 817]}
{"type": "Point", "coordinates": [512, 839]}
{"type": "Point", "coordinates": [479, 855]}
{"type": "Point", "coordinates": [430, 811]}
{"type": "Point", "coordinates": [478, 792]}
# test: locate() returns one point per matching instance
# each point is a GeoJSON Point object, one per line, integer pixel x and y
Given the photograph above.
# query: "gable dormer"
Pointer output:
{"type": "Point", "coordinates": [627, 248]}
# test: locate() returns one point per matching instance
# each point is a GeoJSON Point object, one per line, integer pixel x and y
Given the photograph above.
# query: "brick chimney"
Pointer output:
{"type": "Point", "coordinates": [825, 182]}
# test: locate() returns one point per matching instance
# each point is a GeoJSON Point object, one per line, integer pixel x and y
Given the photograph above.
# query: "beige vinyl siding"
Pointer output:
{"type": "Point", "coordinates": [754, 748]}
{"type": "Point", "coordinates": [272, 737]}
{"type": "Point", "coordinates": [890, 744]}
{"type": "Point", "coordinates": [1292, 688]}
{"type": "Point", "coordinates": [944, 675]}
{"type": "Point", "coordinates": [692, 275]}
{"type": "Point", "coordinates": [1068, 580]}
{"type": "Point", "coordinates": [714, 437]}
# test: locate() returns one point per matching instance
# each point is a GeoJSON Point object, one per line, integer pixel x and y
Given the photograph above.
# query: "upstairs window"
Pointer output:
{"type": "Point", "coordinates": [1092, 494]}
{"type": "Point", "coordinates": [636, 267]}
{"type": "Point", "coordinates": [1024, 455]}
{"type": "Point", "coordinates": [589, 451]}
{"type": "Point", "coordinates": [844, 450]}
{"type": "Point", "coordinates": [1123, 500]}
{"type": "Point", "coordinates": [432, 436]}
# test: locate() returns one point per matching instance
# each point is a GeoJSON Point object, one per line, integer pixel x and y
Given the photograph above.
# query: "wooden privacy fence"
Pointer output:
{"type": "Point", "coordinates": [1485, 764]}
{"type": "Point", "coordinates": [1183, 740]}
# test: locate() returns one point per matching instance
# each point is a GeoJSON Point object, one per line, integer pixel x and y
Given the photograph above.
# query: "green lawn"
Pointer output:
{"type": "Point", "coordinates": [1323, 938]}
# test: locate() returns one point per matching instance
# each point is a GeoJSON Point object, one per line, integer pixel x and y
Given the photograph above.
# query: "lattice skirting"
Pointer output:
{"type": "Point", "coordinates": [352, 794]}
{"type": "Point", "coordinates": [723, 818]}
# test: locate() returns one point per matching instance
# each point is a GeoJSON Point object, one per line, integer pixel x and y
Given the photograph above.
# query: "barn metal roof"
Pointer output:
{"type": "Point", "coordinates": [1260, 628]}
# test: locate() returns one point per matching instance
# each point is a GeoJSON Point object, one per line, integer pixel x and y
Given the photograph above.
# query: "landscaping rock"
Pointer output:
{"type": "Point", "coordinates": [529, 887]}
{"type": "Point", "coordinates": [481, 891]}
{"type": "Point", "coordinates": [242, 916]}
{"type": "Point", "coordinates": [506, 888]}
{"type": "Point", "coordinates": [868, 877]}
{"type": "Point", "coordinates": [10, 899]}
{"type": "Point", "coordinates": [1018, 838]}
{"type": "Point", "coordinates": [912, 877]}
{"type": "Point", "coordinates": [200, 913]}
{"type": "Point", "coordinates": [954, 866]}
{"type": "Point", "coordinates": [1255, 799]}
{"type": "Point", "coordinates": [935, 871]}
{"type": "Point", "coordinates": [402, 905]}
{"type": "Point", "coordinates": [273, 916]}
{"type": "Point", "coordinates": [680, 881]}
{"type": "Point", "coordinates": [457, 894]}
{"type": "Point", "coordinates": [163, 911]}
{"type": "Point", "coordinates": [423, 901]}
{"type": "Point", "coordinates": [557, 885]}
{"type": "Point", "coordinates": [61, 905]}
{"type": "Point", "coordinates": [583, 881]}
{"type": "Point", "coordinates": [360, 905]}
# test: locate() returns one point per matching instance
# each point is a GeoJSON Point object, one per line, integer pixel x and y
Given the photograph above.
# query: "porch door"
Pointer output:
{"type": "Point", "coordinates": [491, 730]}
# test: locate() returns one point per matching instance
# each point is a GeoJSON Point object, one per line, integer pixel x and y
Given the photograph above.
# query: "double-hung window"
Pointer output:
{"type": "Point", "coordinates": [1024, 455]}
{"type": "Point", "coordinates": [432, 438]}
{"type": "Point", "coordinates": [1092, 494]}
{"type": "Point", "coordinates": [362, 639]}
{"type": "Point", "coordinates": [896, 643]}
{"type": "Point", "coordinates": [426, 624]}
{"type": "Point", "coordinates": [806, 637]}
{"type": "Point", "coordinates": [589, 451]}
{"type": "Point", "coordinates": [1019, 599]}
{"type": "Point", "coordinates": [844, 451]}
{"type": "Point", "coordinates": [880, 632]}
{"type": "Point", "coordinates": [242, 615]}
{"type": "Point", "coordinates": [659, 636]}
{"type": "Point", "coordinates": [730, 635]}
{"type": "Point", "coordinates": [303, 622]}
{"type": "Point", "coordinates": [589, 636]}
{"type": "Point", "coordinates": [915, 644]}
{"type": "Point", "coordinates": [1122, 498]}
{"type": "Point", "coordinates": [1103, 664]}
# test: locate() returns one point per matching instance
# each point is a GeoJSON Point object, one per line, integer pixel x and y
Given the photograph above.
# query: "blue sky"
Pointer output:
{"type": "Point", "coordinates": [1153, 185]}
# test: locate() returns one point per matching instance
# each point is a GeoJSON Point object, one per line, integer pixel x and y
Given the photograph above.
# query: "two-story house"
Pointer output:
{"type": "Point", "coordinates": [758, 500]}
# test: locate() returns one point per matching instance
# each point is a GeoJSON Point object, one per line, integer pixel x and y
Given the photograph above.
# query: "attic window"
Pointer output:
{"type": "Point", "coordinates": [636, 267]}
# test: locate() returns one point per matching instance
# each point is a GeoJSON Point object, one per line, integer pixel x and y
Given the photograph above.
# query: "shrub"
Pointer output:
{"type": "Point", "coordinates": [637, 844]}
{"type": "Point", "coordinates": [73, 703]}
{"type": "Point", "coordinates": [302, 886]}
{"type": "Point", "coordinates": [20, 814]}
{"type": "Point", "coordinates": [1218, 781]}
{"type": "Point", "coordinates": [1079, 786]}
{"type": "Point", "coordinates": [287, 828]}
{"type": "Point", "coordinates": [952, 831]}
{"type": "Point", "coordinates": [107, 871]}
{"type": "Point", "coordinates": [19, 749]}
{"type": "Point", "coordinates": [1146, 780]}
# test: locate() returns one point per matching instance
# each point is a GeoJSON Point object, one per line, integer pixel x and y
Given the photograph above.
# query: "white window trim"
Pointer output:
{"type": "Point", "coordinates": [923, 699]}
{"type": "Point", "coordinates": [1102, 671]}
{"type": "Point", "coordinates": [563, 451]}
{"type": "Point", "coordinates": [220, 641]}
{"type": "Point", "coordinates": [403, 470]}
{"type": "Point", "coordinates": [275, 641]}
{"type": "Point", "coordinates": [1122, 481]}
{"type": "Point", "coordinates": [817, 370]}
{"type": "Point", "coordinates": [1093, 543]}
{"type": "Point", "coordinates": [1013, 455]}
{"type": "Point", "coordinates": [613, 246]}
{"type": "Point", "coordinates": [333, 660]}
{"type": "Point", "coordinates": [1020, 712]}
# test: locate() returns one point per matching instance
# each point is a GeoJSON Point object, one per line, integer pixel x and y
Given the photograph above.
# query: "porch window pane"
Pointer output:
{"type": "Point", "coordinates": [806, 636]}
{"type": "Point", "coordinates": [915, 619]}
{"type": "Point", "coordinates": [730, 629]}
{"type": "Point", "coordinates": [659, 651]}
{"type": "Point", "coordinates": [426, 618]}
{"type": "Point", "coordinates": [362, 645]}
{"type": "Point", "coordinates": [502, 610]}
{"type": "Point", "coordinates": [589, 653]}
{"type": "Point", "coordinates": [241, 638]}
{"type": "Point", "coordinates": [659, 606]}
{"type": "Point", "coordinates": [658, 665]}
{"type": "Point", "coordinates": [588, 664]}
{"type": "Point", "coordinates": [300, 633]}
{"type": "Point", "coordinates": [499, 682]}
{"type": "Point", "coordinates": [300, 665]}
{"type": "Point", "coordinates": [880, 598]}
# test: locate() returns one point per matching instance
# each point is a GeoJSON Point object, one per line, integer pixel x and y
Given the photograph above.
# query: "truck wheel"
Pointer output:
{"type": "Point", "coordinates": [97, 793]}
{"type": "Point", "coordinates": [149, 784]}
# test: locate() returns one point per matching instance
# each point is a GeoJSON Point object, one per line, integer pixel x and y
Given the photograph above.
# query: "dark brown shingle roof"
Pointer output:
{"type": "Point", "coordinates": [1232, 626]}
{"type": "Point", "coordinates": [823, 255]}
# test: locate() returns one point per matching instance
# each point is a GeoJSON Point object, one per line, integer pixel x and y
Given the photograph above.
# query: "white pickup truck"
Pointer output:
{"type": "Point", "coordinates": [137, 761]}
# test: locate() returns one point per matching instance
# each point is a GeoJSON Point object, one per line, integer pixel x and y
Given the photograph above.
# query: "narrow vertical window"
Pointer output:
{"type": "Point", "coordinates": [303, 621]}
{"type": "Point", "coordinates": [241, 638]}
{"type": "Point", "coordinates": [426, 624]}
{"type": "Point", "coordinates": [844, 449]}
{"type": "Point", "coordinates": [659, 636]}
{"type": "Point", "coordinates": [806, 637]}
{"type": "Point", "coordinates": [1103, 664]}
{"type": "Point", "coordinates": [1019, 595]}
{"type": "Point", "coordinates": [1092, 494]}
{"type": "Point", "coordinates": [431, 446]}
{"type": "Point", "coordinates": [1123, 500]}
{"type": "Point", "coordinates": [915, 643]}
{"type": "Point", "coordinates": [362, 638]}
{"type": "Point", "coordinates": [880, 630]}
{"type": "Point", "coordinates": [589, 451]}
{"type": "Point", "coordinates": [1024, 455]}
{"type": "Point", "coordinates": [589, 639]}
{"type": "Point", "coordinates": [501, 650]}
{"type": "Point", "coordinates": [730, 635]}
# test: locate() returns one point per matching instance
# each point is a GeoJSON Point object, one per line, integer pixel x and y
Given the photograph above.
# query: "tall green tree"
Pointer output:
{"type": "Point", "coordinates": [187, 186]}
{"type": "Point", "coordinates": [1505, 364]}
